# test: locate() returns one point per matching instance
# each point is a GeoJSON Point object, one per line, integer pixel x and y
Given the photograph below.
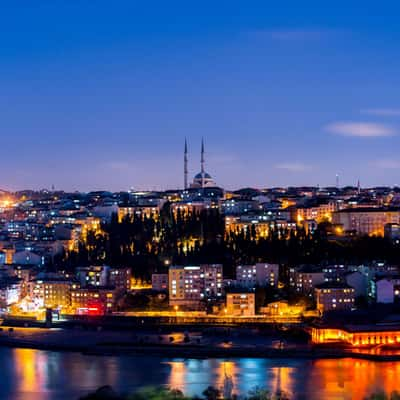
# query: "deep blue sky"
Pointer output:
{"type": "Point", "coordinates": [101, 94]}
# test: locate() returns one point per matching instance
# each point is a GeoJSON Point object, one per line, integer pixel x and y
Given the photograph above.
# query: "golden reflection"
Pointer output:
{"type": "Point", "coordinates": [177, 376]}
{"type": "Point", "coordinates": [282, 380]}
{"type": "Point", "coordinates": [227, 369]}
{"type": "Point", "coordinates": [355, 378]}
{"type": "Point", "coordinates": [30, 366]}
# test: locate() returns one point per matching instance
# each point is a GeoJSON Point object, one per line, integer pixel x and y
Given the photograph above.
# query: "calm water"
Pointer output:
{"type": "Point", "coordinates": [33, 375]}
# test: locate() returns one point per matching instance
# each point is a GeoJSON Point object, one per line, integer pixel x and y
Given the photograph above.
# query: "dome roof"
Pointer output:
{"type": "Point", "coordinates": [200, 176]}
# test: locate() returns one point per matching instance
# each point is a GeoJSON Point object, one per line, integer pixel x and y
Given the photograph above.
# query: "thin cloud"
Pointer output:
{"type": "Point", "coordinates": [386, 164]}
{"type": "Point", "coordinates": [360, 129]}
{"type": "Point", "coordinates": [293, 167]}
{"type": "Point", "coordinates": [296, 34]}
{"type": "Point", "coordinates": [290, 34]}
{"type": "Point", "coordinates": [382, 112]}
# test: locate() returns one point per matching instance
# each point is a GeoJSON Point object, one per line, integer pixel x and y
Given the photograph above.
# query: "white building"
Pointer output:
{"type": "Point", "coordinates": [189, 285]}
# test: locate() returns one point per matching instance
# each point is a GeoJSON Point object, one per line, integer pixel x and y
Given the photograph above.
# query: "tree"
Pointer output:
{"type": "Point", "coordinates": [211, 393]}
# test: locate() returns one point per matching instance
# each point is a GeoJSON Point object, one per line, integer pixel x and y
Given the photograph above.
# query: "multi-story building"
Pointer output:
{"type": "Point", "coordinates": [240, 304]}
{"type": "Point", "coordinates": [190, 285]}
{"type": "Point", "coordinates": [305, 278]}
{"type": "Point", "coordinates": [334, 297]}
{"type": "Point", "coordinates": [148, 211]}
{"type": "Point", "coordinates": [94, 275]}
{"type": "Point", "coordinates": [92, 300]}
{"type": "Point", "coordinates": [392, 231]}
{"type": "Point", "coordinates": [50, 291]}
{"type": "Point", "coordinates": [25, 273]}
{"type": "Point", "coordinates": [213, 280]}
{"type": "Point", "coordinates": [366, 221]}
{"type": "Point", "coordinates": [159, 282]}
{"type": "Point", "coordinates": [318, 213]}
{"type": "Point", "coordinates": [10, 291]}
{"type": "Point", "coordinates": [260, 274]}
{"type": "Point", "coordinates": [120, 278]}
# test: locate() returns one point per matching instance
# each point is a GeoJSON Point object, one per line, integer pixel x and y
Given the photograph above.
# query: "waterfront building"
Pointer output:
{"type": "Point", "coordinates": [240, 304]}
{"type": "Point", "coordinates": [357, 335]}
{"type": "Point", "coordinates": [334, 297]}
{"type": "Point", "coordinates": [282, 309]}
{"type": "Point", "coordinates": [50, 291]}
{"type": "Point", "coordinates": [92, 300]}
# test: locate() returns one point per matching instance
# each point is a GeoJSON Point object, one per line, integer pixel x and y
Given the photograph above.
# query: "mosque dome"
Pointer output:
{"type": "Point", "coordinates": [205, 175]}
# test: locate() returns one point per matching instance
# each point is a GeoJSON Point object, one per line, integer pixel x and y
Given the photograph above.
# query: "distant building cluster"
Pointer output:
{"type": "Point", "coordinates": [37, 229]}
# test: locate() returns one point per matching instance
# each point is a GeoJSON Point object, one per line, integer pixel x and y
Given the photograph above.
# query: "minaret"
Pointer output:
{"type": "Point", "coordinates": [202, 163]}
{"type": "Point", "coordinates": [185, 167]}
{"type": "Point", "coordinates": [358, 187]}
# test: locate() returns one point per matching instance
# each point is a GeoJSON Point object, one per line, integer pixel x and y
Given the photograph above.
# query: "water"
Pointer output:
{"type": "Point", "coordinates": [33, 374]}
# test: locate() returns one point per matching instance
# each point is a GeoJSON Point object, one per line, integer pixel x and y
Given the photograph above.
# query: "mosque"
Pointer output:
{"type": "Point", "coordinates": [202, 180]}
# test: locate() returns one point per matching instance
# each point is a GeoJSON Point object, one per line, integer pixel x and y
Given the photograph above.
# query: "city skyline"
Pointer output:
{"type": "Point", "coordinates": [95, 97]}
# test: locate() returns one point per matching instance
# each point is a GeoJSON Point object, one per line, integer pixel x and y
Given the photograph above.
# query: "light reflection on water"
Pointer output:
{"type": "Point", "coordinates": [34, 374]}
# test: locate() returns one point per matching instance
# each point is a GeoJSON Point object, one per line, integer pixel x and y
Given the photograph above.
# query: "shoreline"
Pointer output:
{"type": "Point", "coordinates": [196, 351]}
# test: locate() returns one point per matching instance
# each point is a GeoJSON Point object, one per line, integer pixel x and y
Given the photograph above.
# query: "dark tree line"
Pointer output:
{"type": "Point", "coordinates": [149, 244]}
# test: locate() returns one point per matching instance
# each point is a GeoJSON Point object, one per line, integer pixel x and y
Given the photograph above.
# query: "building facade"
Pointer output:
{"type": "Point", "coordinates": [260, 274]}
{"type": "Point", "coordinates": [240, 304]}
{"type": "Point", "coordinates": [334, 297]}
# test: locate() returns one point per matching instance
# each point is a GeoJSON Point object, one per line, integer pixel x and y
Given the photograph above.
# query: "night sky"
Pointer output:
{"type": "Point", "coordinates": [101, 94]}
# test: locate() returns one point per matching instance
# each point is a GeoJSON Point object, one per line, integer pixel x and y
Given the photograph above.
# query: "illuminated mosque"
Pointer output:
{"type": "Point", "coordinates": [202, 179]}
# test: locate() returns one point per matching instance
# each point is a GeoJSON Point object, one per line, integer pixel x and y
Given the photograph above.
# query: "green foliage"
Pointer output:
{"type": "Point", "coordinates": [158, 394]}
{"type": "Point", "coordinates": [211, 393]}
